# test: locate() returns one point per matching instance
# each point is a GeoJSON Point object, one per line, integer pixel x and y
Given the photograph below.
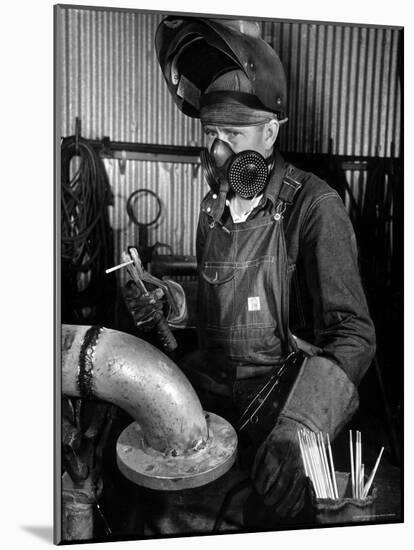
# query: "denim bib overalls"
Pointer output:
{"type": "Point", "coordinates": [244, 290]}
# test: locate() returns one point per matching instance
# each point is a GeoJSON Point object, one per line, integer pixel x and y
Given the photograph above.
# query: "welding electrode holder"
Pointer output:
{"type": "Point", "coordinates": [265, 403]}
{"type": "Point", "coordinates": [138, 275]}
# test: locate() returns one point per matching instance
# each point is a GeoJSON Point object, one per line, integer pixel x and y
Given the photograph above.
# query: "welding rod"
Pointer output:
{"type": "Point", "coordinates": [335, 486]}
{"type": "Point", "coordinates": [129, 262]}
{"type": "Point", "coordinates": [351, 454]}
{"type": "Point", "coordinates": [315, 461]}
{"type": "Point", "coordinates": [371, 477]}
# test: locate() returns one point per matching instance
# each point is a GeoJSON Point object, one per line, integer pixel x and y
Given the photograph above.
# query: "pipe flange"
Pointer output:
{"type": "Point", "coordinates": [147, 467]}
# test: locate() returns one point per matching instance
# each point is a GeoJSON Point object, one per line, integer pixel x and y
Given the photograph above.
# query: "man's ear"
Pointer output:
{"type": "Point", "coordinates": [271, 133]}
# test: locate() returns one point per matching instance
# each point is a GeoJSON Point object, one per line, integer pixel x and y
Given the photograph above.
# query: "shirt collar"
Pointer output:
{"type": "Point", "coordinates": [239, 217]}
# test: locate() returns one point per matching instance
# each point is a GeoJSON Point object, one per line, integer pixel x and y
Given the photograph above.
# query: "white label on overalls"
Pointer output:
{"type": "Point", "coordinates": [253, 303]}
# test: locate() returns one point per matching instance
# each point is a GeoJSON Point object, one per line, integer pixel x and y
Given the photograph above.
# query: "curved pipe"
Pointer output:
{"type": "Point", "coordinates": [137, 377]}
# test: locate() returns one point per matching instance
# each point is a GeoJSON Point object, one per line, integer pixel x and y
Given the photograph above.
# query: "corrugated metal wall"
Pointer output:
{"type": "Point", "coordinates": [345, 94]}
{"type": "Point", "coordinates": [111, 81]}
{"type": "Point", "coordinates": [344, 87]}
{"type": "Point", "coordinates": [180, 189]}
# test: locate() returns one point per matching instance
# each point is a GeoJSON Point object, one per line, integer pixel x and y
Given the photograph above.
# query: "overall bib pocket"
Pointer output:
{"type": "Point", "coordinates": [236, 295]}
{"type": "Point", "coordinates": [218, 294]}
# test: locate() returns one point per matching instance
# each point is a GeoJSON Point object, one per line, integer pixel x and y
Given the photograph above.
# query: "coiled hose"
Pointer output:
{"type": "Point", "coordinates": [86, 235]}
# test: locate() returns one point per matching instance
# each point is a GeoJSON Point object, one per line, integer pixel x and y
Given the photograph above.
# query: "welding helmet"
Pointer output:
{"type": "Point", "coordinates": [194, 52]}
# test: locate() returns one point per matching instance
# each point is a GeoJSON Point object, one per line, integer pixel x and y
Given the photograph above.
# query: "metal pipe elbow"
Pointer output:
{"type": "Point", "coordinates": [141, 380]}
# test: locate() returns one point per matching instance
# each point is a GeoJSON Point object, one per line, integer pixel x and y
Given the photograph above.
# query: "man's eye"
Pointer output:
{"type": "Point", "coordinates": [234, 134]}
{"type": "Point", "coordinates": [210, 133]}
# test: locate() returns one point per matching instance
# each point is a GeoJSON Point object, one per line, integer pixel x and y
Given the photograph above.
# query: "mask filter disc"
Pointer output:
{"type": "Point", "coordinates": [248, 174]}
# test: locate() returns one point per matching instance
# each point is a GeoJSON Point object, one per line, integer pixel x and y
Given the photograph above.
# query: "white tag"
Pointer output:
{"type": "Point", "coordinates": [253, 303]}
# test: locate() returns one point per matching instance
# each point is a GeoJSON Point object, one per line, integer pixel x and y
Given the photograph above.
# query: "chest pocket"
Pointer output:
{"type": "Point", "coordinates": [236, 295]}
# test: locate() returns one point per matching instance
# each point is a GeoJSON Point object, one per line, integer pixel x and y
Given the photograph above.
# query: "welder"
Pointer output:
{"type": "Point", "coordinates": [277, 258]}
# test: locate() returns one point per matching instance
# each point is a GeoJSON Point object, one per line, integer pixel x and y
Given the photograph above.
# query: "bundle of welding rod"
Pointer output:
{"type": "Point", "coordinates": [319, 465]}
{"type": "Point", "coordinates": [360, 489]}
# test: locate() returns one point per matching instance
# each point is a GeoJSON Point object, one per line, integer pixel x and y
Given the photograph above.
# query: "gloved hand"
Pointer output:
{"type": "Point", "coordinates": [278, 473]}
{"type": "Point", "coordinates": [145, 309]}
{"type": "Point", "coordinates": [179, 317]}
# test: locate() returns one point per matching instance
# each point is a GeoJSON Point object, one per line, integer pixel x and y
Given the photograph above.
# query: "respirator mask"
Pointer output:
{"type": "Point", "coordinates": [245, 173]}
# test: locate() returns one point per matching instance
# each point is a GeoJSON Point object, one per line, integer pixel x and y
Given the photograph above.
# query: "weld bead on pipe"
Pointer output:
{"type": "Point", "coordinates": [143, 381]}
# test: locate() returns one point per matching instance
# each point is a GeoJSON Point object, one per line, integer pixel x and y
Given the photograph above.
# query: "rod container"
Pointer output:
{"type": "Point", "coordinates": [345, 509]}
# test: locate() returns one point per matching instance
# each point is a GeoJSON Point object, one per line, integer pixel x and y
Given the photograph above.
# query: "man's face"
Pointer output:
{"type": "Point", "coordinates": [239, 138]}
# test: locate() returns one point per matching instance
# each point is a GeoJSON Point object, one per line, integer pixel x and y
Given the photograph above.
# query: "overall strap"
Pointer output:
{"type": "Point", "coordinates": [291, 184]}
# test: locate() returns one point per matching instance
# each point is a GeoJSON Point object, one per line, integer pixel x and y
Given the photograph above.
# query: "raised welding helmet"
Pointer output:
{"type": "Point", "coordinates": [194, 52]}
{"type": "Point", "coordinates": [223, 73]}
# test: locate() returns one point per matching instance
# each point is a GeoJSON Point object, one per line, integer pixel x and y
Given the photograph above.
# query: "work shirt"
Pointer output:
{"type": "Point", "coordinates": [327, 302]}
{"type": "Point", "coordinates": [238, 216]}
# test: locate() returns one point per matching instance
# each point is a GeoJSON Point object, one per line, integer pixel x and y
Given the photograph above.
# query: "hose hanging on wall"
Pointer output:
{"type": "Point", "coordinates": [145, 250]}
{"type": "Point", "coordinates": [88, 294]}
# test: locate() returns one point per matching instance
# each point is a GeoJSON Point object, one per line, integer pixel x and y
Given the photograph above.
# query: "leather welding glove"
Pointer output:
{"type": "Point", "coordinates": [145, 309]}
{"type": "Point", "coordinates": [278, 473]}
{"type": "Point", "coordinates": [322, 399]}
{"type": "Point", "coordinates": [177, 315]}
